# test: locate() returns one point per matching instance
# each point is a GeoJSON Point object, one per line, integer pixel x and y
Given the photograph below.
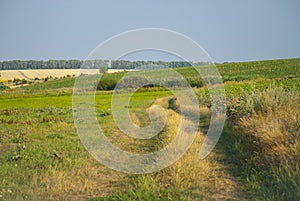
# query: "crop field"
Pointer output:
{"type": "Point", "coordinates": [256, 158]}
{"type": "Point", "coordinates": [43, 73]}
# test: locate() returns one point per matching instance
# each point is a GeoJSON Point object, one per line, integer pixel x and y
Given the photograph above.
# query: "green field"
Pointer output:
{"type": "Point", "coordinates": [257, 157]}
{"type": "Point", "coordinates": [285, 69]}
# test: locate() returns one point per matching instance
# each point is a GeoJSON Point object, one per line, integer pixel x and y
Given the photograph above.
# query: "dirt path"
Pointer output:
{"type": "Point", "coordinates": [213, 178]}
{"type": "Point", "coordinates": [24, 75]}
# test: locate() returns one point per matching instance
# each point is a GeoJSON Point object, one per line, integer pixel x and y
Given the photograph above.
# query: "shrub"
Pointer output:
{"type": "Point", "coordinates": [103, 69]}
{"type": "Point", "coordinates": [3, 87]}
{"type": "Point", "coordinates": [107, 83]}
{"type": "Point", "coordinates": [23, 81]}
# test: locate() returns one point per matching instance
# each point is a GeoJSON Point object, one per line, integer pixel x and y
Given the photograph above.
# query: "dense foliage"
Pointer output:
{"type": "Point", "coordinates": [33, 64]}
{"type": "Point", "coordinates": [91, 64]}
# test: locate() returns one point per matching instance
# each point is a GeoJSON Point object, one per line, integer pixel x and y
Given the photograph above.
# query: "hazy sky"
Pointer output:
{"type": "Point", "coordinates": [227, 30]}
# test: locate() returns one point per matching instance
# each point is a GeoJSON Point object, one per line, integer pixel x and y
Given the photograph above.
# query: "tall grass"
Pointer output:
{"type": "Point", "coordinates": [270, 119]}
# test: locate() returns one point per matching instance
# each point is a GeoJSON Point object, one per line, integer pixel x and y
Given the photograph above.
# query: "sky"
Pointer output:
{"type": "Point", "coordinates": [230, 30]}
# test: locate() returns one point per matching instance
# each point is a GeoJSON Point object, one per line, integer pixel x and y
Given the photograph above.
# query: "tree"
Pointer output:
{"type": "Point", "coordinates": [103, 69]}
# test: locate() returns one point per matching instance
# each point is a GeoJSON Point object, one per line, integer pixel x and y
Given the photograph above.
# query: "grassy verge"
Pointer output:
{"type": "Point", "coordinates": [266, 132]}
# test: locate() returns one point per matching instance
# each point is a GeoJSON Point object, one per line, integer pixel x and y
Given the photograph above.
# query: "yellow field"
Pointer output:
{"type": "Point", "coordinates": [42, 73]}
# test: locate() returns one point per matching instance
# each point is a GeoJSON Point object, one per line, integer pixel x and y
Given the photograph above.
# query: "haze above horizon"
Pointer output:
{"type": "Point", "coordinates": [228, 31]}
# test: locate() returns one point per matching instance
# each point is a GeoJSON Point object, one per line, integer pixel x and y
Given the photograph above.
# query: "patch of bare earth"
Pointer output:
{"type": "Point", "coordinates": [5, 148]}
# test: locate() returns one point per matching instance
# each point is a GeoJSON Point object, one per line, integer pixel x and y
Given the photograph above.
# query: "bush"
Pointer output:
{"type": "Point", "coordinates": [103, 69]}
{"type": "Point", "coordinates": [3, 87]}
{"type": "Point", "coordinates": [23, 81]}
{"type": "Point", "coordinates": [107, 83]}
{"type": "Point", "coordinates": [16, 80]}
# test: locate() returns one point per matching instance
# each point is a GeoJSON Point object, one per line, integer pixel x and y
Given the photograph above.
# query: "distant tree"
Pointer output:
{"type": "Point", "coordinates": [103, 69]}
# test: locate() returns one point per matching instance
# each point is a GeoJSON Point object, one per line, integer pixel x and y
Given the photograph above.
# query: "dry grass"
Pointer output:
{"type": "Point", "coordinates": [274, 123]}
{"type": "Point", "coordinates": [271, 120]}
{"type": "Point", "coordinates": [80, 182]}
{"type": "Point", "coordinates": [195, 179]}
{"type": "Point", "coordinates": [204, 112]}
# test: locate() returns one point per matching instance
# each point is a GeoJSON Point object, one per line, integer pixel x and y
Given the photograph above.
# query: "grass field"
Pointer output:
{"type": "Point", "coordinates": [257, 157]}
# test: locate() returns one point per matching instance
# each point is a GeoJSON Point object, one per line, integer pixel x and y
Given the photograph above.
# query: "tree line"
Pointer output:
{"type": "Point", "coordinates": [33, 64]}
{"type": "Point", "coordinates": [91, 64]}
